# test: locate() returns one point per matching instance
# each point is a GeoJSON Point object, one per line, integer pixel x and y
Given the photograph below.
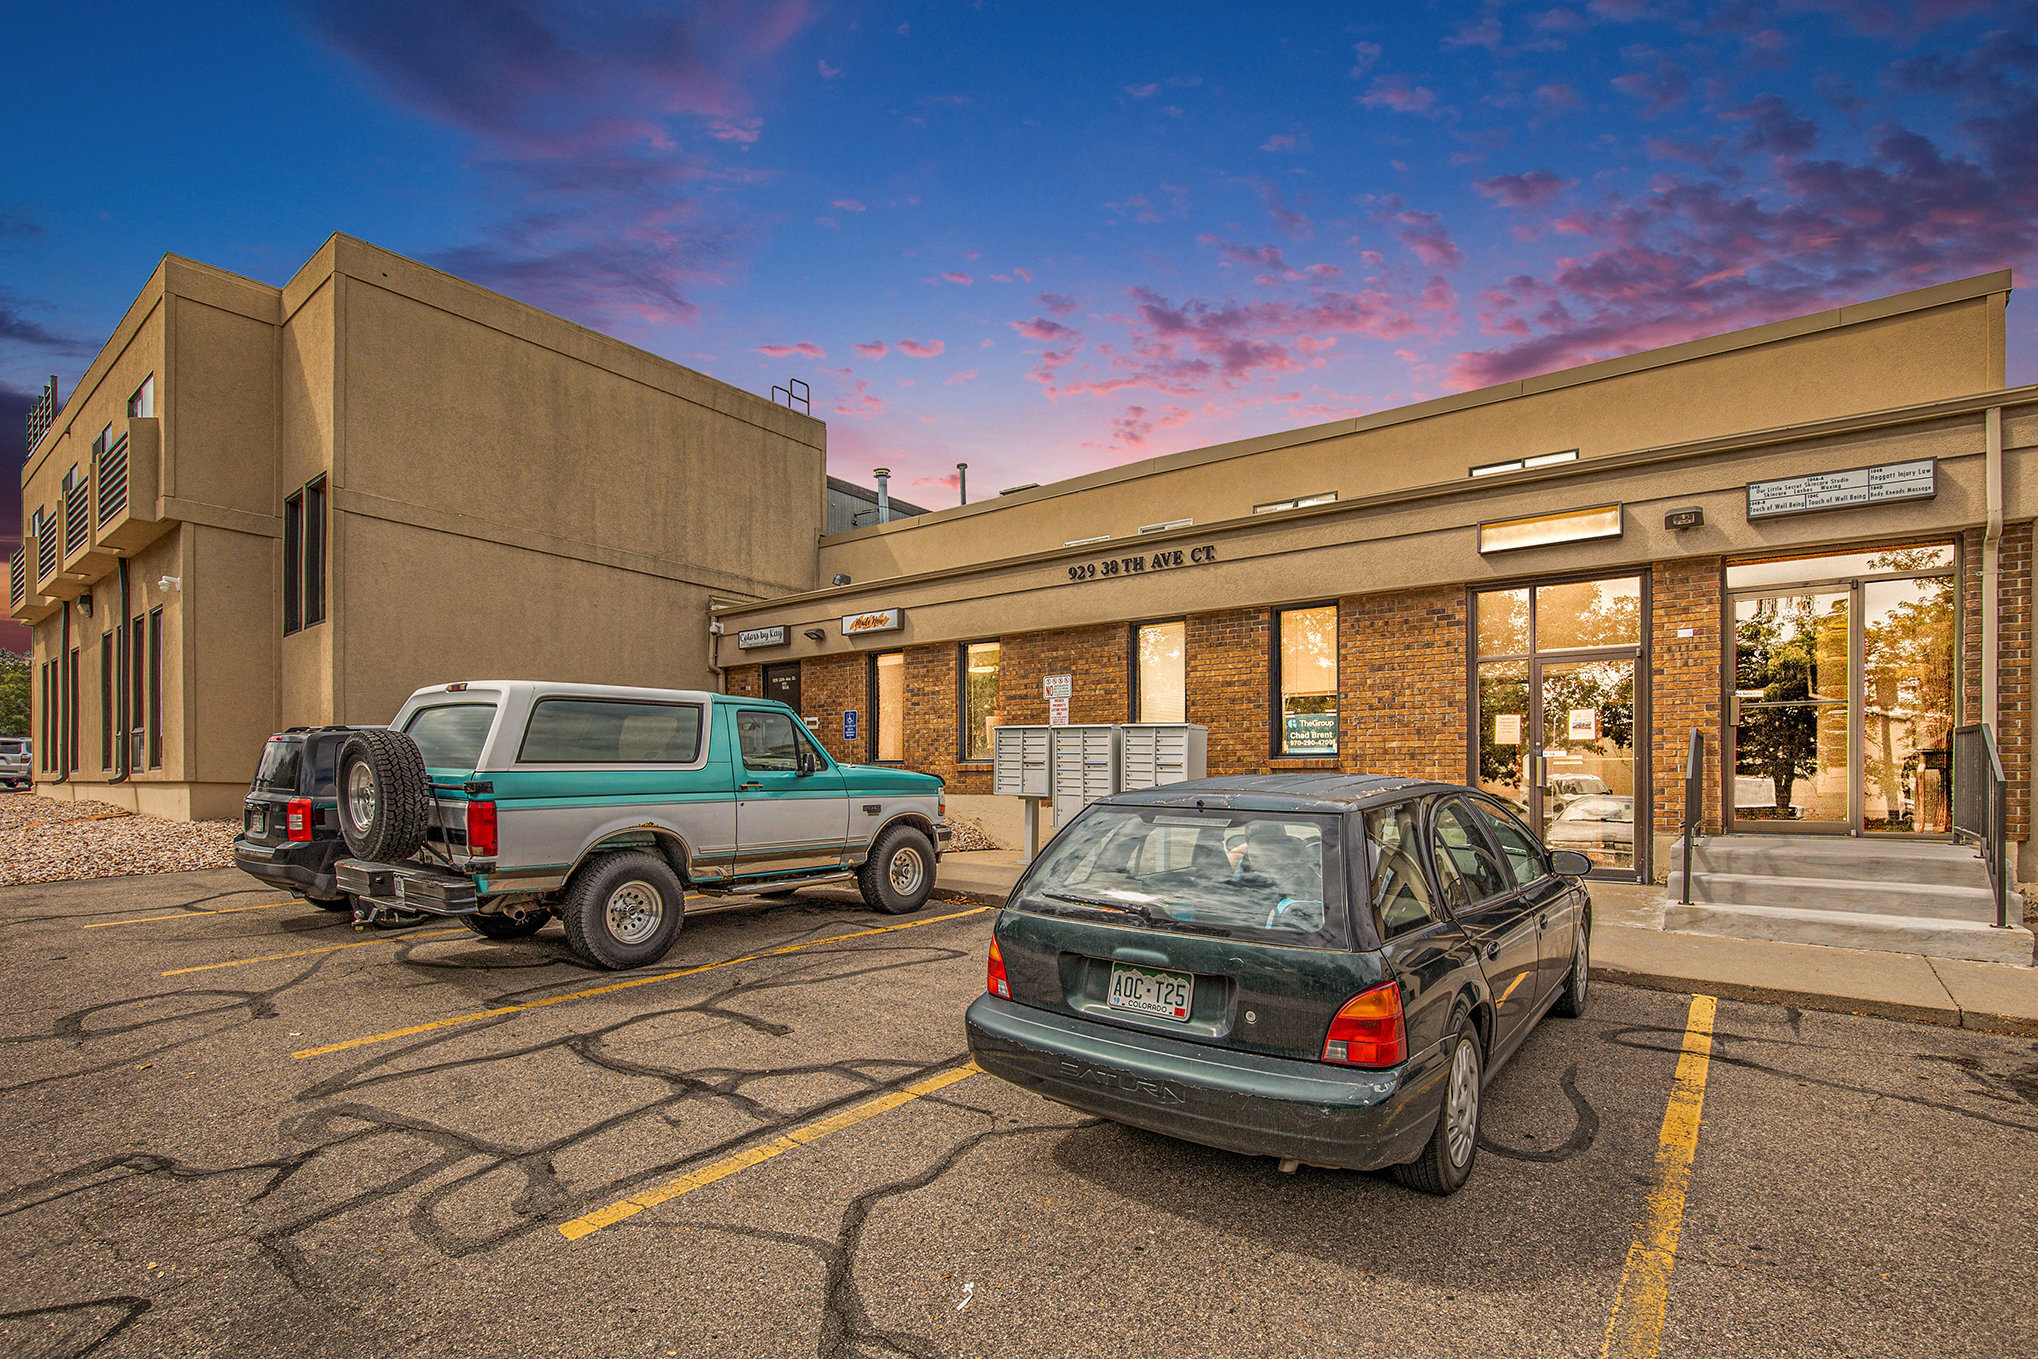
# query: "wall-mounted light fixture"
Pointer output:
{"type": "Point", "coordinates": [815, 635]}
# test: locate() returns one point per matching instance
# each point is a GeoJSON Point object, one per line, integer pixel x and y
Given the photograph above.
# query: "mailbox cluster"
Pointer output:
{"type": "Point", "coordinates": [1074, 766]}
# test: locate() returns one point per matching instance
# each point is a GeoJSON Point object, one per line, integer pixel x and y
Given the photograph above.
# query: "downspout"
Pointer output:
{"type": "Point", "coordinates": [714, 655]}
{"type": "Point", "coordinates": [123, 642]}
{"type": "Point", "coordinates": [1991, 563]}
{"type": "Point", "coordinates": [63, 751]}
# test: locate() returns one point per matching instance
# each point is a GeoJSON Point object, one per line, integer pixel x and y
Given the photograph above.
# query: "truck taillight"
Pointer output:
{"type": "Point", "coordinates": [1369, 1029]}
{"type": "Point", "coordinates": [297, 819]}
{"type": "Point", "coordinates": [994, 976]}
{"type": "Point", "coordinates": [481, 830]}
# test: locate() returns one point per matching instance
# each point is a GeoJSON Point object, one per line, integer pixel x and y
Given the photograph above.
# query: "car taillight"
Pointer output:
{"type": "Point", "coordinates": [994, 975]}
{"type": "Point", "coordinates": [1369, 1030]}
{"type": "Point", "coordinates": [481, 830]}
{"type": "Point", "coordinates": [297, 819]}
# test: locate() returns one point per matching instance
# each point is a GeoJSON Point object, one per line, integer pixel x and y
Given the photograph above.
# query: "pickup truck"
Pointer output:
{"type": "Point", "coordinates": [509, 802]}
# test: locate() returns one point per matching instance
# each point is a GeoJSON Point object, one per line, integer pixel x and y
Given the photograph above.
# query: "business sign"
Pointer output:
{"type": "Point", "coordinates": [1310, 734]}
{"type": "Point", "coordinates": [756, 637]}
{"type": "Point", "coordinates": [1140, 563]}
{"type": "Point", "coordinates": [1840, 490]}
{"type": "Point", "coordinates": [849, 724]}
{"type": "Point", "coordinates": [1057, 686]}
{"type": "Point", "coordinates": [1058, 711]}
{"type": "Point", "coordinates": [873, 620]}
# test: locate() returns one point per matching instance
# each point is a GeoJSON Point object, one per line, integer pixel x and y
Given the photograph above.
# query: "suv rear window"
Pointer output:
{"type": "Point", "coordinates": [12, 745]}
{"type": "Point", "coordinates": [1277, 877]}
{"type": "Point", "coordinates": [610, 731]}
{"type": "Point", "coordinates": [282, 764]}
{"type": "Point", "coordinates": [451, 735]}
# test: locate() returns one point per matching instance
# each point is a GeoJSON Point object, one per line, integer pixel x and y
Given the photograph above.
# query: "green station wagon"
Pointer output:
{"type": "Point", "coordinates": [1325, 969]}
{"type": "Point", "coordinates": [508, 802]}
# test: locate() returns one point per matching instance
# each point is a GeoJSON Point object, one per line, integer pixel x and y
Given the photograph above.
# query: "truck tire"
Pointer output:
{"type": "Point", "coordinates": [899, 874]}
{"type": "Point", "coordinates": [623, 910]}
{"type": "Point", "coordinates": [385, 795]}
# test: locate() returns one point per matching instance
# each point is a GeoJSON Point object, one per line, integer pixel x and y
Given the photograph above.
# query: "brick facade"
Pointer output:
{"type": "Point", "coordinates": [1685, 686]}
{"type": "Point", "coordinates": [1228, 673]}
{"type": "Point", "coordinates": [2013, 647]}
{"type": "Point", "coordinates": [1402, 677]}
{"type": "Point", "coordinates": [744, 681]}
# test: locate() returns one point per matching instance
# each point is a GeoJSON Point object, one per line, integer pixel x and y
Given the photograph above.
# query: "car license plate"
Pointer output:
{"type": "Point", "coordinates": [1151, 991]}
{"type": "Point", "coordinates": [254, 820]}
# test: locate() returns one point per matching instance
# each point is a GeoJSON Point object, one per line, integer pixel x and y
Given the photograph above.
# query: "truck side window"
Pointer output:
{"type": "Point", "coordinates": [767, 741]}
{"type": "Point", "coordinates": [1401, 897]}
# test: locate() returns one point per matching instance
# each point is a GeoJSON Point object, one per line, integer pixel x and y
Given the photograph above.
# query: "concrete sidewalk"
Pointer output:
{"type": "Point", "coordinates": [1630, 946]}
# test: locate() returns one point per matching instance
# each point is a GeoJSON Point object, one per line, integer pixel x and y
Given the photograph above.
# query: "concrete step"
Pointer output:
{"type": "Point", "coordinates": [1816, 856]}
{"type": "Point", "coordinates": [1923, 900]}
{"type": "Point", "coordinates": [1857, 930]}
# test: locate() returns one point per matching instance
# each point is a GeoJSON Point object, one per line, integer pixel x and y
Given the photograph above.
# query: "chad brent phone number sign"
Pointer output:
{"type": "Point", "coordinates": [1144, 562]}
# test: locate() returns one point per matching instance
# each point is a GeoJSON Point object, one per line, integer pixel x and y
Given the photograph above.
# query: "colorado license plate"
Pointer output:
{"type": "Point", "coordinates": [1151, 991]}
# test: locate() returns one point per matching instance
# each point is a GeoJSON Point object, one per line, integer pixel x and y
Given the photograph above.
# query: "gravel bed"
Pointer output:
{"type": "Point", "coordinates": [965, 837]}
{"type": "Point", "coordinates": [47, 841]}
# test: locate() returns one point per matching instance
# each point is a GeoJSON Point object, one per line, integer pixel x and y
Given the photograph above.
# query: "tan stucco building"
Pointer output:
{"type": "Point", "coordinates": [264, 507]}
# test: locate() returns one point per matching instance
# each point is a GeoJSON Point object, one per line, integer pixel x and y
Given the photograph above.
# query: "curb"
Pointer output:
{"type": "Point", "coordinates": [1945, 1017]}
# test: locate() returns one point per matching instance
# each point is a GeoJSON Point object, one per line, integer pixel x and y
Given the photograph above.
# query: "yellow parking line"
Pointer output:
{"type": "Point", "coordinates": [743, 1160]}
{"type": "Point", "coordinates": [307, 952]}
{"type": "Point", "coordinates": [1636, 1327]}
{"type": "Point", "coordinates": [186, 915]}
{"type": "Point", "coordinates": [626, 985]}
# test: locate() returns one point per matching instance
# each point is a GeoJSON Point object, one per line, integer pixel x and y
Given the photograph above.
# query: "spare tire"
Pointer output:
{"type": "Point", "coordinates": [385, 795]}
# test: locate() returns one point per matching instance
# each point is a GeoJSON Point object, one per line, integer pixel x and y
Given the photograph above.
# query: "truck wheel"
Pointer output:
{"type": "Point", "coordinates": [385, 795]}
{"type": "Point", "coordinates": [899, 874]}
{"type": "Point", "coordinates": [503, 925]}
{"type": "Point", "coordinates": [623, 910]}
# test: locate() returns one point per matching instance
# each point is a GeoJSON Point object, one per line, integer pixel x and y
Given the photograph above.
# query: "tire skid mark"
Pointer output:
{"type": "Point", "coordinates": [132, 1310]}
{"type": "Point", "coordinates": [1583, 1132]}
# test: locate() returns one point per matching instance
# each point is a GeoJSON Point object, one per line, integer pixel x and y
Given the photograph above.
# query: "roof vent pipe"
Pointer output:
{"type": "Point", "coordinates": [962, 481]}
{"type": "Point", "coordinates": [884, 494]}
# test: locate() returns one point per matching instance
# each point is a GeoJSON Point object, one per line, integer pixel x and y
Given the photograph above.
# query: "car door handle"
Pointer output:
{"type": "Point", "coordinates": [746, 787]}
{"type": "Point", "coordinates": [1492, 950]}
{"type": "Point", "coordinates": [1543, 921]}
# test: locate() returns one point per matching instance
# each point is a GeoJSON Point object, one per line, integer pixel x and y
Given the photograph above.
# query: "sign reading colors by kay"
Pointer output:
{"type": "Point", "coordinates": [873, 620]}
{"type": "Point", "coordinates": [756, 637]}
{"type": "Point", "coordinates": [1838, 490]}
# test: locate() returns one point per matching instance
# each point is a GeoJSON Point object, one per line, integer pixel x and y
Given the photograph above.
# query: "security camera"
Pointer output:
{"type": "Point", "coordinates": [842, 578]}
{"type": "Point", "coordinates": [715, 629]}
{"type": "Point", "coordinates": [169, 583]}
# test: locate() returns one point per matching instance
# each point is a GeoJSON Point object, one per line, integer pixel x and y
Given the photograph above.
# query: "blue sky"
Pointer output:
{"type": "Point", "coordinates": [1038, 238]}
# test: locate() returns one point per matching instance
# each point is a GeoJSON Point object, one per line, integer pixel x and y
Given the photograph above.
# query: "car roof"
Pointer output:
{"type": "Point", "coordinates": [1284, 792]}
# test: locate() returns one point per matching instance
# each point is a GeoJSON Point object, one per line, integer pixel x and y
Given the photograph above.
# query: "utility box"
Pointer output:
{"type": "Point", "coordinates": [1085, 762]}
{"type": "Point", "coordinates": [1021, 760]}
{"type": "Point", "coordinates": [1151, 755]}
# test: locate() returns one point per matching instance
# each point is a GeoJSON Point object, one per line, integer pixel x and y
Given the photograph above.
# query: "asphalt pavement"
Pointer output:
{"type": "Point", "coordinates": [233, 1126]}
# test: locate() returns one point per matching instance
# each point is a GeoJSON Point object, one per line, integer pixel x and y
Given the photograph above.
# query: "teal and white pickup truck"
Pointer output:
{"type": "Point", "coordinates": [509, 802]}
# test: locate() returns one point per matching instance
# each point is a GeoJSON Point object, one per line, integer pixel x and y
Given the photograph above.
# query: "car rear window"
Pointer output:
{"type": "Point", "coordinates": [12, 746]}
{"type": "Point", "coordinates": [282, 763]}
{"type": "Point", "coordinates": [450, 736]}
{"type": "Point", "coordinates": [1274, 877]}
{"type": "Point", "coordinates": [610, 731]}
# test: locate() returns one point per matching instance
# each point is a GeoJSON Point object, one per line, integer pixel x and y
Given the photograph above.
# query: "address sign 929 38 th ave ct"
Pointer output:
{"type": "Point", "coordinates": [1140, 563]}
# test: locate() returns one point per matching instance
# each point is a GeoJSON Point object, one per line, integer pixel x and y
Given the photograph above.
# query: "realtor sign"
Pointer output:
{"type": "Point", "coordinates": [1841, 490]}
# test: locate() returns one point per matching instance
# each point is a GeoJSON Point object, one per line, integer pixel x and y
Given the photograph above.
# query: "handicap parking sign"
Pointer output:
{"type": "Point", "coordinates": [849, 724]}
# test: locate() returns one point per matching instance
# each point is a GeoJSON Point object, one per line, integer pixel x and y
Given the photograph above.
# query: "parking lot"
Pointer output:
{"type": "Point", "coordinates": [232, 1125]}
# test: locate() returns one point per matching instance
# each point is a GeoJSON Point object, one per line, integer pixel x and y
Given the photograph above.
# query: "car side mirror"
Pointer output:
{"type": "Point", "coordinates": [1569, 863]}
{"type": "Point", "coordinates": [804, 763]}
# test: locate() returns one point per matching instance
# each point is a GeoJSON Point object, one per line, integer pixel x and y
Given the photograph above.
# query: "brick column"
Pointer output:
{"type": "Point", "coordinates": [1096, 657]}
{"type": "Point", "coordinates": [2013, 652]}
{"type": "Point", "coordinates": [1227, 674]}
{"type": "Point", "coordinates": [1685, 684]}
{"type": "Point", "coordinates": [745, 681]}
{"type": "Point", "coordinates": [1402, 684]}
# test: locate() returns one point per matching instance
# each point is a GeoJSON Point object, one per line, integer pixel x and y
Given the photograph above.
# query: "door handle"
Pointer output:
{"type": "Point", "coordinates": [1543, 921]}
{"type": "Point", "coordinates": [1491, 950]}
{"type": "Point", "coordinates": [746, 787]}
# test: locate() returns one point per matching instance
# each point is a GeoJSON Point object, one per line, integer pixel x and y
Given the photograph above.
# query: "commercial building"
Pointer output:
{"type": "Point", "coordinates": [264, 507]}
{"type": "Point", "coordinates": [1807, 542]}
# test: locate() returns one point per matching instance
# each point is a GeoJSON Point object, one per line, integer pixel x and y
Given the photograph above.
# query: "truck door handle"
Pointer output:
{"type": "Point", "coordinates": [745, 787]}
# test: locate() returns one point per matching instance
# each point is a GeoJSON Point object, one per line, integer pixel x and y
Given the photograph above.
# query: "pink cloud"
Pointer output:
{"type": "Point", "coordinates": [828, 72]}
{"type": "Point", "coordinates": [1058, 303]}
{"type": "Point", "coordinates": [1396, 94]}
{"type": "Point", "coordinates": [860, 401]}
{"type": "Point", "coordinates": [847, 205]}
{"type": "Point", "coordinates": [919, 349]}
{"type": "Point", "coordinates": [1558, 95]}
{"type": "Point", "coordinates": [964, 279]}
{"type": "Point", "coordinates": [957, 379]}
{"type": "Point", "coordinates": [1424, 233]}
{"type": "Point", "coordinates": [1043, 330]}
{"type": "Point", "coordinates": [1534, 189]}
{"type": "Point", "coordinates": [875, 349]}
{"type": "Point", "coordinates": [804, 349]}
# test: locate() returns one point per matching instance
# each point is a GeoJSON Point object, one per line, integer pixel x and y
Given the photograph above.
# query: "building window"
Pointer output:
{"type": "Point", "coordinates": [138, 685]}
{"type": "Point", "coordinates": [49, 717]}
{"type": "Point", "coordinates": [106, 700]}
{"type": "Point", "coordinates": [1305, 678]}
{"type": "Point", "coordinates": [1160, 675]}
{"type": "Point", "coordinates": [980, 713]}
{"type": "Point", "coordinates": [142, 405]}
{"type": "Point", "coordinates": [1320, 498]}
{"type": "Point", "coordinates": [304, 557]}
{"type": "Point", "coordinates": [1164, 527]}
{"type": "Point", "coordinates": [888, 706]}
{"type": "Point", "coordinates": [155, 688]}
{"type": "Point", "coordinates": [71, 716]}
{"type": "Point", "coordinates": [1494, 469]}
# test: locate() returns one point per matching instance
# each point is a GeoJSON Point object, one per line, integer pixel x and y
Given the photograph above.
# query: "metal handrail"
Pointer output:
{"type": "Point", "coordinates": [1694, 801]}
{"type": "Point", "coordinates": [1981, 806]}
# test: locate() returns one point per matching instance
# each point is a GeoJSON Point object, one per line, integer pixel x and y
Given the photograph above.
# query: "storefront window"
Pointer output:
{"type": "Point", "coordinates": [1305, 654]}
{"type": "Point", "coordinates": [979, 699]}
{"type": "Point", "coordinates": [1160, 678]}
{"type": "Point", "coordinates": [888, 706]}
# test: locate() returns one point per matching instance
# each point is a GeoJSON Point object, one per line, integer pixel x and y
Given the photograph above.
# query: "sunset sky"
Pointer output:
{"type": "Point", "coordinates": [1039, 238]}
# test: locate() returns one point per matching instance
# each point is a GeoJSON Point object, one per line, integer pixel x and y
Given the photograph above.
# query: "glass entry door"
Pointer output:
{"type": "Point", "coordinates": [1556, 719]}
{"type": "Point", "coordinates": [1843, 700]}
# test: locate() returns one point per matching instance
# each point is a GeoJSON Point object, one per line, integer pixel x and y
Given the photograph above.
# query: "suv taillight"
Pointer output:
{"type": "Point", "coordinates": [298, 818]}
{"type": "Point", "coordinates": [481, 830]}
{"type": "Point", "coordinates": [1369, 1029]}
{"type": "Point", "coordinates": [994, 975]}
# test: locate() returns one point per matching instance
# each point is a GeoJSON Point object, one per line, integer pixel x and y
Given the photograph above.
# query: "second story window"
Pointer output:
{"type": "Point", "coordinates": [142, 405]}
{"type": "Point", "coordinates": [304, 557]}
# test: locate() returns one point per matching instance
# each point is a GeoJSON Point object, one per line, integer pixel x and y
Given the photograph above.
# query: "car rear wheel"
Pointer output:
{"type": "Point", "coordinates": [1571, 1005]}
{"type": "Point", "coordinates": [504, 925]}
{"type": "Point", "coordinates": [623, 910]}
{"type": "Point", "coordinates": [1446, 1160]}
{"type": "Point", "coordinates": [385, 795]}
{"type": "Point", "coordinates": [899, 874]}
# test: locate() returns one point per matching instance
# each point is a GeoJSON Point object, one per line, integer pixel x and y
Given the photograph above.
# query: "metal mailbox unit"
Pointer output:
{"type": "Point", "coordinates": [1021, 762]}
{"type": "Point", "coordinates": [1085, 764]}
{"type": "Point", "coordinates": [1151, 755]}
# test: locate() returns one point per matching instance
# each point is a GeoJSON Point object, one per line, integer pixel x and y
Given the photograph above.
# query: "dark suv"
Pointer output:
{"type": "Point", "coordinates": [290, 825]}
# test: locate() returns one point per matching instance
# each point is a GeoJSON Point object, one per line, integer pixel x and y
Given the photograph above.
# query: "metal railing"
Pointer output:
{"type": "Point", "coordinates": [113, 480]}
{"type": "Point", "coordinates": [1980, 807]}
{"type": "Point", "coordinates": [17, 575]}
{"type": "Point", "coordinates": [1694, 802]}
